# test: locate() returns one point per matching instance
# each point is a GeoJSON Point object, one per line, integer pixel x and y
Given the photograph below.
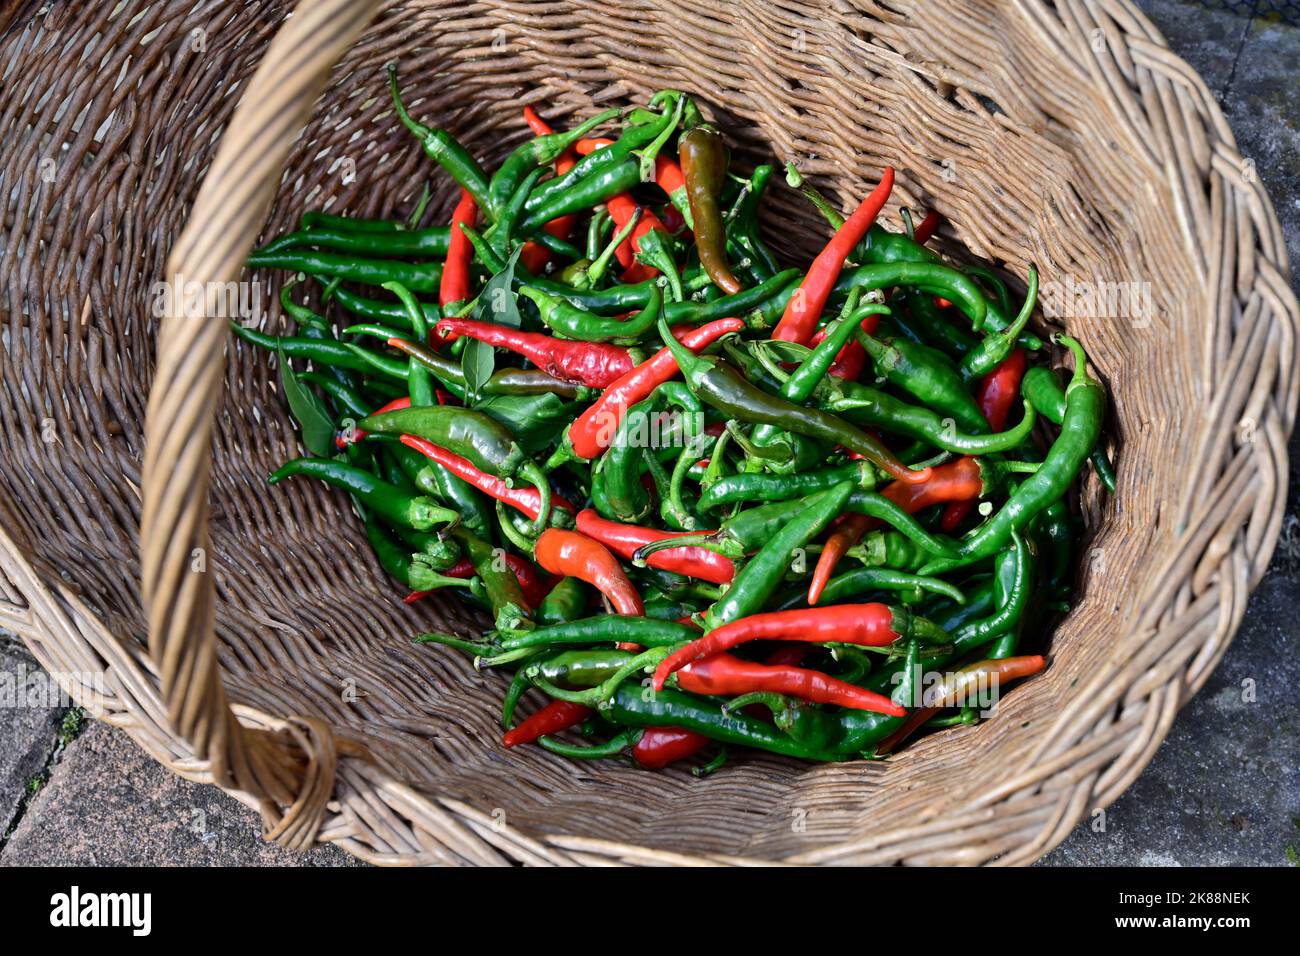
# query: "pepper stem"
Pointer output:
{"type": "Point", "coordinates": [611, 748]}
{"type": "Point", "coordinates": [416, 127]}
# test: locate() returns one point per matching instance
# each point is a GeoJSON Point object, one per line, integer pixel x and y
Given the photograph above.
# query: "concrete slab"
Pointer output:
{"type": "Point", "coordinates": [29, 727]}
{"type": "Point", "coordinates": [108, 803]}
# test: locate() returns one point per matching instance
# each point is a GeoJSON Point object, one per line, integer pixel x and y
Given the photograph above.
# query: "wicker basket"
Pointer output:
{"type": "Point", "coordinates": [255, 654]}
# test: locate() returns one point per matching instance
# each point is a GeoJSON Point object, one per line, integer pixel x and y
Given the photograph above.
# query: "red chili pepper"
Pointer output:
{"type": "Point", "coordinates": [524, 498]}
{"type": "Point", "coordinates": [343, 440]}
{"type": "Point", "coordinates": [594, 364]}
{"type": "Point", "coordinates": [571, 554]}
{"type": "Point", "coordinates": [727, 675]}
{"type": "Point", "coordinates": [852, 359]}
{"type": "Point", "coordinates": [624, 539]}
{"type": "Point", "coordinates": [955, 481]}
{"type": "Point", "coordinates": [555, 717]}
{"type": "Point", "coordinates": [660, 746]}
{"type": "Point", "coordinates": [454, 287]}
{"type": "Point", "coordinates": [594, 429]}
{"type": "Point", "coordinates": [791, 655]}
{"type": "Point", "coordinates": [531, 582]}
{"type": "Point", "coordinates": [534, 257]}
{"type": "Point", "coordinates": [805, 307]}
{"type": "Point", "coordinates": [997, 392]}
{"type": "Point", "coordinates": [922, 233]}
{"type": "Point", "coordinates": [461, 569]}
{"type": "Point", "coordinates": [621, 209]}
{"type": "Point", "coordinates": [866, 625]}
{"type": "Point", "coordinates": [954, 689]}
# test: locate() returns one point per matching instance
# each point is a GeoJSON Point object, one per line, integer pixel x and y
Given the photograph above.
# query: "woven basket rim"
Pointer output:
{"type": "Point", "coordinates": [441, 829]}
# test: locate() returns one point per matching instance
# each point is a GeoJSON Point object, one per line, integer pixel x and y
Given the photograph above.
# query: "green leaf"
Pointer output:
{"type": "Point", "coordinates": [308, 410]}
{"type": "Point", "coordinates": [535, 420]}
{"type": "Point", "coordinates": [477, 363]}
{"type": "Point", "coordinates": [498, 302]}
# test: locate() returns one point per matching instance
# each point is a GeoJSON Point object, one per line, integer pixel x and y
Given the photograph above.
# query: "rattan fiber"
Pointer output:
{"type": "Point", "coordinates": [254, 653]}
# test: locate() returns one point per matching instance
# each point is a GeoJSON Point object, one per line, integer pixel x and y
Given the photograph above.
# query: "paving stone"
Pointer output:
{"type": "Point", "coordinates": [1224, 787]}
{"type": "Point", "coordinates": [108, 803]}
{"type": "Point", "coordinates": [29, 725]}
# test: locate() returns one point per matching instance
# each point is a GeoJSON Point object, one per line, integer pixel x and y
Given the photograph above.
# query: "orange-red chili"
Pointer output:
{"type": "Point", "coordinates": [730, 676]}
{"type": "Point", "coordinates": [454, 286]}
{"type": "Point", "coordinates": [625, 539]}
{"type": "Point", "coordinates": [571, 554]}
{"type": "Point", "coordinates": [594, 364]}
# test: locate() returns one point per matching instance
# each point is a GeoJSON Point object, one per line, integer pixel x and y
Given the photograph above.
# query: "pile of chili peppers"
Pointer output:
{"type": "Point", "coordinates": [706, 501]}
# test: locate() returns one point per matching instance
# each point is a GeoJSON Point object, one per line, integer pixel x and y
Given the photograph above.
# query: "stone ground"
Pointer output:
{"type": "Point", "coordinates": [1223, 789]}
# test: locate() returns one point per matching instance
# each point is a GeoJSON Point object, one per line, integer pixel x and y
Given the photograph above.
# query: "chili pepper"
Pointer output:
{"type": "Point", "coordinates": [755, 583]}
{"type": "Point", "coordinates": [871, 407]}
{"type": "Point", "coordinates": [703, 157]}
{"type": "Point", "coordinates": [959, 685]}
{"type": "Point", "coordinates": [318, 219]}
{"type": "Point", "coordinates": [487, 444]}
{"type": "Point", "coordinates": [398, 563]}
{"type": "Point", "coordinates": [1020, 562]}
{"type": "Point", "coordinates": [750, 486]}
{"type": "Point", "coordinates": [618, 473]}
{"type": "Point", "coordinates": [762, 295]}
{"type": "Point", "coordinates": [461, 569]}
{"type": "Point", "coordinates": [575, 555]}
{"type": "Point", "coordinates": [565, 602]}
{"type": "Point", "coordinates": [504, 381]}
{"type": "Point", "coordinates": [996, 346]}
{"type": "Point", "coordinates": [326, 352]}
{"type": "Point", "coordinates": [800, 317]}
{"type": "Point", "coordinates": [416, 276]}
{"type": "Point", "coordinates": [671, 708]}
{"type": "Point", "coordinates": [602, 629]}
{"type": "Point", "coordinates": [723, 388]}
{"type": "Point", "coordinates": [583, 194]}
{"type": "Point", "coordinates": [595, 365]}
{"type": "Point", "coordinates": [862, 580]}
{"type": "Point", "coordinates": [928, 375]}
{"type": "Point", "coordinates": [1043, 389]}
{"type": "Point", "coordinates": [505, 593]}
{"type": "Point", "coordinates": [803, 382]}
{"type": "Point", "coordinates": [539, 151]}
{"type": "Point", "coordinates": [384, 244]}
{"type": "Point", "coordinates": [955, 481]}
{"type": "Point", "coordinates": [997, 391]}
{"type": "Point", "coordinates": [922, 320]}
{"type": "Point", "coordinates": [576, 323]}
{"type": "Point", "coordinates": [389, 313]}
{"type": "Point", "coordinates": [526, 500]}
{"type": "Point", "coordinates": [346, 398]}
{"type": "Point", "coordinates": [446, 151]}
{"type": "Point", "coordinates": [534, 256]}
{"type": "Point", "coordinates": [660, 746]}
{"type": "Point", "coordinates": [593, 430]}
{"type": "Point", "coordinates": [625, 539]}
{"type": "Point", "coordinates": [453, 288]}
{"type": "Point", "coordinates": [1085, 403]}
{"type": "Point", "coordinates": [383, 498]}
{"type": "Point", "coordinates": [435, 480]}
{"type": "Point", "coordinates": [556, 716]}
{"type": "Point", "coordinates": [725, 675]}
{"type": "Point", "coordinates": [865, 625]}
{"type": "Point", "coordinates": [743, 228]}
{"type": "Point", "coordinates": [927, 227]}
{"type": "Point", "coordinates": [508, 215]}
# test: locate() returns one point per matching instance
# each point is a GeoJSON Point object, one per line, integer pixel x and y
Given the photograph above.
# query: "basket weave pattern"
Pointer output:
{"type": "Point", "coordinates": [255, 653]}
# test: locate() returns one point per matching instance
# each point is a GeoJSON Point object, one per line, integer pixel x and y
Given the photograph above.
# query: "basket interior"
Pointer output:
{"type": "Point", "coordinates": [984, 123]}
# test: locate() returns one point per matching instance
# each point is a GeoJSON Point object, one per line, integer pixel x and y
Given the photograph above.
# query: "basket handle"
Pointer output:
{"type": "Point", "coordinates": [288, 767]}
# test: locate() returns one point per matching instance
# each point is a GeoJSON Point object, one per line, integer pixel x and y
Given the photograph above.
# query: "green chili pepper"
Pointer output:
{"type": "Point", "coordinates": [377, 244]}
{"type": "Point", "coordinates": [758, 579]}
{"type": "Point", "coordinates": [487, 444]}
{"type": "Point", "coordinates": [382, 497]}
{"type": "Point", "coordinates": [603, 629]}
{"type": "Point", "coordinates": [876, 409]}
{"type": "Point", "coordinates": [534, 153]}
{"type": "Point", "coordinates": [996, 346]}
{"type": "Point", "coordinates": [582, 195]}
{"type": "Point", "coordinates": [416, 276]}
{"type": "Point", "coordinates": [565, 602]}
{"type": "Point", "coordinates": [759, 487]}
{"type": "Point", "coordinates": [929, 376]}
{"type": "Point", "coordinates": [1085, 405]}
{"type": "Point", "coordinates": [446, 151]}
{"type": "Point", "coordinates": [1043, 389]}
{"type": "Point", "coordinates": [572, 322]}
{"type": "Point", "coordinates": [398, 564]}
